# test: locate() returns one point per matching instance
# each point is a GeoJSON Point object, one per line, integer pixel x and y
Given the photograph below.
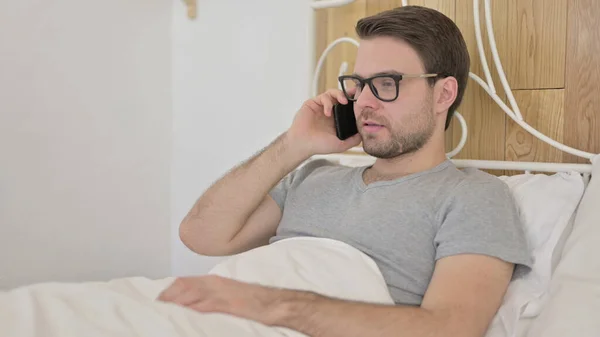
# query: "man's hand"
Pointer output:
{"type": "Point", "coordinates": [218, 294]}
{"type": "Point", "coordinates": [461, 300]}
{"type": "Point", "coordinates": [313, 129]}
{"type": "Point", "coordinates": [236, 213]}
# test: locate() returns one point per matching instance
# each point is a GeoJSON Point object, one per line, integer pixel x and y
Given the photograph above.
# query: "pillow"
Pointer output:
{"type": "Point", "coordinates": [546, 205]}
{"type": "Point", "coordinates": [574, 302]}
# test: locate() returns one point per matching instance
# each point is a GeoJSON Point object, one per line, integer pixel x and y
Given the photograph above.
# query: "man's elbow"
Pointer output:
{"type": "Point", "coordinates": [198, 243]}
{"type": "Point", "coordinates": [456, 323]}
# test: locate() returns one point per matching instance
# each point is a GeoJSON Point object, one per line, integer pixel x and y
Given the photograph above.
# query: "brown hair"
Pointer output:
{"type": "Point", "coordinates": [435, 37]}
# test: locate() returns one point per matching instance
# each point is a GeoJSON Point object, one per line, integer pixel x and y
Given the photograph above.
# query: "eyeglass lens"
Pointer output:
{"type": "Point", "coordinates": [383, 87]}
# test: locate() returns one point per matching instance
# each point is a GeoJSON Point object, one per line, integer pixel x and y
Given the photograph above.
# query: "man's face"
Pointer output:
{"type": "Point", "coordinates": [389, 129]}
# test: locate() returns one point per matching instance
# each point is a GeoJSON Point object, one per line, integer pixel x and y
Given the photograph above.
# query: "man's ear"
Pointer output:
{"type": "Point", "coordinates": [445, 92]}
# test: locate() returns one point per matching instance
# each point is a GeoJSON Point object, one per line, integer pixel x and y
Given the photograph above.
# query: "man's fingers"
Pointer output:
{"type": "Point", "coordinates": [173, 290]}
{"type": "Point", "coordinates": [203, 306]}
{"type": "Point", "coordinates": [351, 92]}
{"type": "Point", "coordinates": [211, 305]}
{"type": "Point", "coordinates": [190, 296]}
{"type": "Point", "coordinates": [337, 96]}
{"type": "Point", "coordinates": [327, 107]}
{"type": "Point", "coordinates": [329, 98]}
{"type": "Point", "coordinates": [341, 97]}
{"type": "Point", "coordinates": [313, 105]}
{"type": "Point", "coordinates": [324, 100]}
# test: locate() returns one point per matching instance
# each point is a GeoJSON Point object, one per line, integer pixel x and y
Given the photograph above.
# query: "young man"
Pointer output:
{"type": "Point", "coordinates": [445, 240]}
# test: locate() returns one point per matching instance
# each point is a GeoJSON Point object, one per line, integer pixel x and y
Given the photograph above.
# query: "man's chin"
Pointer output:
{"type": "Point", "coordinates": [380, 152]}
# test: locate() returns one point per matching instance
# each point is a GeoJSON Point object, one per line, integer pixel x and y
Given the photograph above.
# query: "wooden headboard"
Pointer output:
{"type": "Point", "coordinates": [550, 52]}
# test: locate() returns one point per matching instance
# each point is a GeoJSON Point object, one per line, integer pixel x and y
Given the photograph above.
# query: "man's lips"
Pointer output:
{"type": "Point", "coordinates": [371, 126]}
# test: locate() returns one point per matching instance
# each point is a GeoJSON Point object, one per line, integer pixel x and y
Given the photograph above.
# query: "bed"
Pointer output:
{"type": "Point", "coordinates": [559, 206]}
{"type": "Point", "coordinates": [559, 202]}
{"type": "Point", "coordinates": [561, 297]}
{"type": "Point", "coordinates": [561, 213]}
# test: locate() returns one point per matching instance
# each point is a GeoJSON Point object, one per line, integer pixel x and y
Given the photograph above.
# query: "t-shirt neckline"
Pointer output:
{"type": "Point", "coordinates": [360, 183]}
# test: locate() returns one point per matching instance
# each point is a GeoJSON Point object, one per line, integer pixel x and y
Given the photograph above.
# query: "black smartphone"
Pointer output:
{"type": "Point", "coordinates": [345, 122]}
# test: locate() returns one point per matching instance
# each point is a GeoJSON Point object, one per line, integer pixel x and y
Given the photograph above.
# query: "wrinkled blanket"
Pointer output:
{"type": "Point", "coordinates": [128, 306]}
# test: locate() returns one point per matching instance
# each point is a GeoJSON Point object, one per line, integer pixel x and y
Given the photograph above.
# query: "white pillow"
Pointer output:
{"type": "Point", "coordinates": [574, 302]}
{"type": "Point", "coordinates": [546, 204]}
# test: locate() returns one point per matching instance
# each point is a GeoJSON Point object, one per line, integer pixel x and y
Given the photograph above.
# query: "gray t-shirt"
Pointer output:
{"type": "Point", "coordinates": [405, 224]}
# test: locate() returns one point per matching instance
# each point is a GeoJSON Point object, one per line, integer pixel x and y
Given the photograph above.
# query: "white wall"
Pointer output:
{"type": "Point", "coordinates": [240, 72]}
{"type": "Point", "coordinates": [85, 139]}
{"type": "Point", "coordinates": [103, 149]}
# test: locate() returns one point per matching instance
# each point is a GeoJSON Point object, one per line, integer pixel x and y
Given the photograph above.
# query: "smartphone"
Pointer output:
{"type": "Point", "coordinates": [345, 122]}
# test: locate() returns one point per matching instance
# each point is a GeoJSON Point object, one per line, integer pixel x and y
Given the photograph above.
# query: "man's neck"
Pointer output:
{"type": "Point", "coordinates": [403, 165]}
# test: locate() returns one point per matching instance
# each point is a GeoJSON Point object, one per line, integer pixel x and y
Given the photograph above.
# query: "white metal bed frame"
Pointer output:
{"type": "Point", "coordinates": [356, 155]}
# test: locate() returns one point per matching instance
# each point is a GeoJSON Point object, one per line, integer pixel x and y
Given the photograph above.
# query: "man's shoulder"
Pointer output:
{"type": "Point", "coordinates": [312, 175]}
{"type": "Point", "coordinates": [479, 186]}
{"type": "Point", "coordinates": [320, 168]}
{"type": "Point", "coordinates": [322, 165]}
{"type": "Point", "coordinates": [319, 163]}
{"type": "Point", "coordinates": [475, 176]}
{"type": "Point", "coordinates": [453, 181]}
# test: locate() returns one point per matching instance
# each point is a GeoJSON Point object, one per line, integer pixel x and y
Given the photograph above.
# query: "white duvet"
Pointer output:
{"type": "Point", "coordinates": [127, 307]}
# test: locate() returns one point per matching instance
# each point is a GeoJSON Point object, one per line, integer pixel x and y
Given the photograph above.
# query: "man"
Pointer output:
{"type": "Point", "coordinates": [446, 241]}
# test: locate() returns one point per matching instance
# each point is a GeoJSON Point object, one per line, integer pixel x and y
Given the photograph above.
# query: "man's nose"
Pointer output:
{"type": "Point", "coordinates": [366, 98]}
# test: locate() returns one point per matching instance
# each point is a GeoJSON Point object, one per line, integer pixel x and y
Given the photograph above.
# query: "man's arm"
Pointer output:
{"type": "Point", "coordinates": [236, 213]}
{"type": "Point", "coordinates": [464, 294]}
{"type": "Point", "coordinates": [461, 300]}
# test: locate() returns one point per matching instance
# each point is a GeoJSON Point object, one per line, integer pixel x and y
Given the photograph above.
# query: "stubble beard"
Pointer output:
{"type": "Point", "coordinates": [402, 140]}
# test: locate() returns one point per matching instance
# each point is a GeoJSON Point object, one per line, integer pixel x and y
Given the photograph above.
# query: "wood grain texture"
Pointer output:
{"type": "Point", "coordinates": [537, 31]}
{"type": "Point", "coordinates": [466, 23]}
{"type": "Point", "coordinates": [444, 6]}
{"type": "Point", "coordinates": [192, 8]}
{"type": "Point", "coordinates": [544, 110]}
{"type": "Point", "coordinates": [341, 22]}
{"type": "Point", "coordinates": [448, 7]}
{"type": "Point", "coordinates": [542, 48]}
{"type": "Point", "coordinates": [485, 119]}
{"type": "Point", "coordinates": [320, 38]}
{"type": "Point", "coordinates": [582, 95]}
{"type": "Point", "coordinates": [376, 6]}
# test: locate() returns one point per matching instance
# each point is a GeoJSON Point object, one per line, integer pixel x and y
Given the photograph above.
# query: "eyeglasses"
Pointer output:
{"type": "Point", "coordinates": [384, 86]}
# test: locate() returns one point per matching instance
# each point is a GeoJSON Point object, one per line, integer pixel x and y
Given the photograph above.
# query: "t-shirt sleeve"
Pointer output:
{"type": "Point", "coordinates": [280, 192]}
{"type": "Point", "coordinates": [482, 218]}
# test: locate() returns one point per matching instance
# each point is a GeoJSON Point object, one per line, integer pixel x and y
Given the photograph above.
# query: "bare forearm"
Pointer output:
{"type": "Point", "coordinates": [319, 316]}
{"type": "Point", "coordinates": [223, 209]}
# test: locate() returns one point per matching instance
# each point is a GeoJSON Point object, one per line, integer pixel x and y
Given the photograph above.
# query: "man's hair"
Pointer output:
{"type": "Point", "coordinates": [436, 39]}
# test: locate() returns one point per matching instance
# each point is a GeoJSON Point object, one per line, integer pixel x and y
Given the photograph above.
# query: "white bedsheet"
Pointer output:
{"type": "Point", "coordinates": [127, 307]}
{"type": "Point", "coordinates": [573, 307]}
{"type": "Point", "coordinates": [572, 311]}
